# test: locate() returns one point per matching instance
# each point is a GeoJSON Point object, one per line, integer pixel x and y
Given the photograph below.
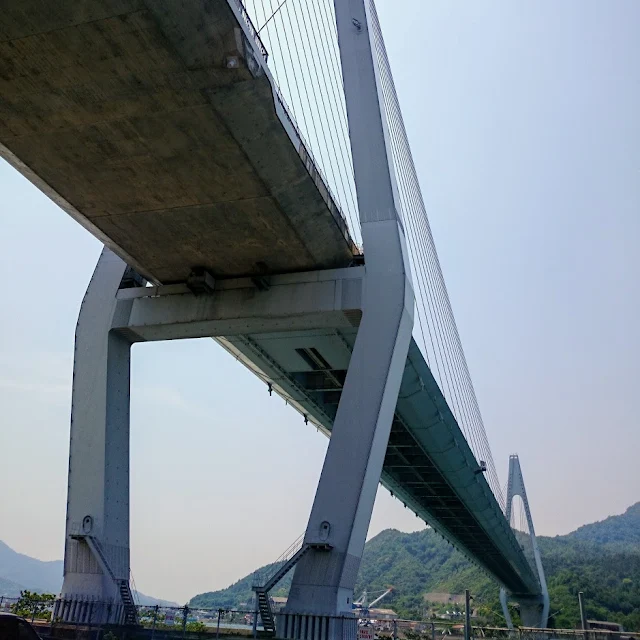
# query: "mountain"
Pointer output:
{"type": "Point", "coordinates": [9, 588]}
{"type": "Point", "coordinates": [602, 559]}
{"type": "Point", "coordinates": [35, 575]}
{"type": "Point", "coordinates": [19, 572]}
{"type": "Point", "coordinates": [150, 601]}
{"type": "Point", "coordinates": [624, 529]}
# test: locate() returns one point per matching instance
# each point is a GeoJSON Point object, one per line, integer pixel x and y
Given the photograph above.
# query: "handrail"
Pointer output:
{"type": "Point", "coordinates": [134, 592]}
{"type": "Point", "coordinates": [261, 578]}
{"type": "Point", "coordinates": [292, 549]}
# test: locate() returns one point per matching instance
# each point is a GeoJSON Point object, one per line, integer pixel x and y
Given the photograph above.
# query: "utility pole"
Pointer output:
{"type": "Point", "coordinates": [256, 609]}
{"type": "Point", "coordinates": [467, 615]}
{"type": "Point", "coordinates": [155, 618]}
{"type": "Point", "coordinates": [184, 620]}
{"type": "Point", "coordinates": [583, 615]}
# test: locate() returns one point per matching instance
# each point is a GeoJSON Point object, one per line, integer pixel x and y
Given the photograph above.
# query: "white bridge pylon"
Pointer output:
{"type": "Point", "coordinates": [534, 612]}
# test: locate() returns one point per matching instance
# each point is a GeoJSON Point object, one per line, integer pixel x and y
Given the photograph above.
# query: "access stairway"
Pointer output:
{"type": "Point", "coordinates": [286, 562]}
{"type": "Point", "coordinates": [129, 607]}
{"type": "Point", "coordinates": [130, 611]}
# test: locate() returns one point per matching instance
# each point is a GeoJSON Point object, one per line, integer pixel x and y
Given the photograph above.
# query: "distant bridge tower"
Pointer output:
{"type": "Point", "coordinates": [534, 612]}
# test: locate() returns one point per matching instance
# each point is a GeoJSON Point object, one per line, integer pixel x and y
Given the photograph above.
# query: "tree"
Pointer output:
{"type": "Point", "coordinates": [34, 605]}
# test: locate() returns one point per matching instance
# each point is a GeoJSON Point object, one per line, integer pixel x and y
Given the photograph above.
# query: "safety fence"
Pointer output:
{"type": "Point", "coordinates": [524, 633]}
{"type": "Point", "coordinates": [156, 622]}
{"type": "Point", "coordinates": [169, 623]}
{"type": "Point", "coordinates": [399, 629]}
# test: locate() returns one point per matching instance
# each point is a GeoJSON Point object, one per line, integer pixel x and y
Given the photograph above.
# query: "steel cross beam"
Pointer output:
{"type": "Point", "coordinates": [295, 302]}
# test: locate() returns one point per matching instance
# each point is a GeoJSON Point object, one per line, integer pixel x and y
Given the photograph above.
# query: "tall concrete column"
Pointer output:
{"type": "Point", "coordinates": [323, 582]}
{"type": "Point", "coordinates": [97, 527]}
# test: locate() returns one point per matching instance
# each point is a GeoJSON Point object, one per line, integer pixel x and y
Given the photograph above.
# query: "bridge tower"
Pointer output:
{"type": "Point", "coordinates": [534, 611]}
{"type": "Point", "coordinates": [120, 309]}
{"type": "Point", "coordinates": [321, 594]}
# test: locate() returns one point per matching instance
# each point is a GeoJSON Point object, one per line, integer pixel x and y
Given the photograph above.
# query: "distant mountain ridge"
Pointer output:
{"type": "Point", "coordinates": [602, 559]}
{"type": "Point", "coordinates": [19, 571]}
{"type": "Point", "coordinates": [624, 529]}
{"type": "Point", "coordinates": [9, 588]}
{"type": "Point", "coordinates": [36, 575]}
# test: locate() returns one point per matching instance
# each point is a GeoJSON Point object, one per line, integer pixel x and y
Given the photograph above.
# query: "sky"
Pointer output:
{"type": "Point", "coordinates": [523, 120]}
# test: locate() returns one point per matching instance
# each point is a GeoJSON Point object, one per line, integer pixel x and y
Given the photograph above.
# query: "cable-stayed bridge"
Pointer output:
{"type": "Point", "coordinates": [248, 169]}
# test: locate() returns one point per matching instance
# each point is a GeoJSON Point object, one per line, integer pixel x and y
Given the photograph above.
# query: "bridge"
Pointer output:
{"type": "Point", "coordinates": [295, 236]}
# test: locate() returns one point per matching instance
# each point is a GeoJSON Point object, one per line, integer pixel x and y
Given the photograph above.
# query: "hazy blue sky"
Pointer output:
{"type": "Point", "coordinates": [523, 118]}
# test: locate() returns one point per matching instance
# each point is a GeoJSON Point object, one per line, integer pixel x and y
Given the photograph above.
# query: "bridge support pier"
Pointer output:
{"type": "Point", "coordinates": [324, 579]}
{"type": "Point", "coordinates": [96, 558]}
{"type": "Point", "coordinates": [531, 611]}
{"type": "Point", "coordinates": [320, 604]}
{"type": "Point", "coordinates": [113, 316]}
{"type": "Point", "coordinates": [534, 611]}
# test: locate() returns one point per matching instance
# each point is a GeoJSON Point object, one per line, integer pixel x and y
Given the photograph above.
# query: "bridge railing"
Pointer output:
{"type": "Point", "coordinates": [260, 578]}
{"type": "Point", "coordinates": [252, 29]}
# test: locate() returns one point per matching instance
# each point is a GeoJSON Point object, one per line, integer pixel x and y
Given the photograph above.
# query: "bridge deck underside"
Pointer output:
{"type": "Point", "coordinates": [428, 464]}
{"type": "Point", "coordinates": [154, 123]}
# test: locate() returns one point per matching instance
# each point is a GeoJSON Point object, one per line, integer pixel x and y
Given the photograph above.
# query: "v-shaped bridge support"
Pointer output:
{"type": "Point", "coordinates": [534, 611]}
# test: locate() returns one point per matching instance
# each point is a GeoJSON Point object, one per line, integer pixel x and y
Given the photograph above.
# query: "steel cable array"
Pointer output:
{"type": "Point", "coordinates": [444, 348]}
{"type": "Point", "coordinates": [304, 59]}
{"type": "Point", "coordinates": [520, 526]}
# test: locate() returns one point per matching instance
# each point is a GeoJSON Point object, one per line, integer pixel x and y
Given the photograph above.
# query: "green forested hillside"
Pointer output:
{"type": "Point", "coordinates": [601, 559]}
{"type": "Point", "coordinates": [624, 530]}
{"type": "Point", "coordinates": [9, 588]}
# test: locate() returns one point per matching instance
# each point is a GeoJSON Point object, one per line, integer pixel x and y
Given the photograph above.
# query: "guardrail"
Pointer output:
{"type": "Point", "coordinates": [260, 578]}
{"type": "Point", "coordinates": [252, 30]}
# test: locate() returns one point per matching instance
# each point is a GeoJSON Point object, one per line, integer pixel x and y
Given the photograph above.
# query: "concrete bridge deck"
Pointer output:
{"type": "Point", "coordinates": [155, 124]}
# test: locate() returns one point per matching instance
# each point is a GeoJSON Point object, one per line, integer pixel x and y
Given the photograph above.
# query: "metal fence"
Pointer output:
{"type": "Point", "coordinates": [174, 623]}
{"type": "Point", "coordinates": [155, 622]}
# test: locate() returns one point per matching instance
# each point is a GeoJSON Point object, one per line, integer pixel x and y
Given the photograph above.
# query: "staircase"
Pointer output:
{"type": "Point", "coordinates": [264, 583]}
{"type": "Point", "coordinates": [130, 611]}
{"type": "Point", "coordinates": [266, 613]}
